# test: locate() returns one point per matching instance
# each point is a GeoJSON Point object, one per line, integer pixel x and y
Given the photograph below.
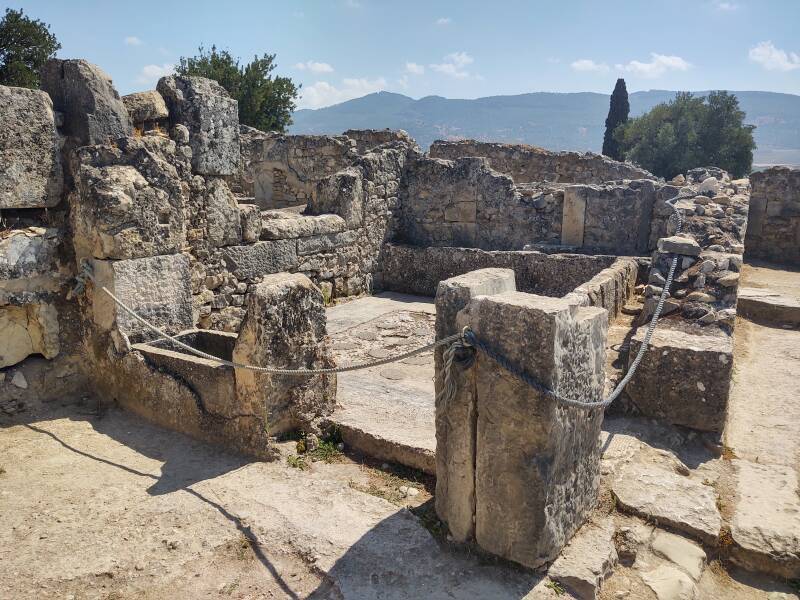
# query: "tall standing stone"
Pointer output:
{"type": "Point", "coordinates": [536, 461]}
{"type": "Point", "coordinates": [30, 152]}
{"type": "Point", "coordinates": [285, 328]}
{"type": "Point", "coordinates": [93, 110]}
{"type": "Point", "coordinates": [456, 418]}
{"type": "Point", "coordinates": [211, 116]}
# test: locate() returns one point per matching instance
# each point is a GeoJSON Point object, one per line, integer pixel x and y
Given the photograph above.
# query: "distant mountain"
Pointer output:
{"type": "Point", "coordinates": [551, 120]}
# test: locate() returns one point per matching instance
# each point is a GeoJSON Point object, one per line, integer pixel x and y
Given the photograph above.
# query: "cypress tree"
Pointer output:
{"type": "Point", "coordinates": [617, 114]}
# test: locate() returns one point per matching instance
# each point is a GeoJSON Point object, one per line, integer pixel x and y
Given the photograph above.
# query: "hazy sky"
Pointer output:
{"type": "Point", "coordinates": [343, 49]}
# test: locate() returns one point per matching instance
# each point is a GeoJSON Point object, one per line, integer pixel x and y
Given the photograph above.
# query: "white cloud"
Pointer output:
{"type": "Point", "coordinates": [725, 6]}
{"type": "Point", "coordinates": [152, 73]}
{"type": "Point", "coordinates": [659, 65]}
{"type": "Point", "coordinates": [589, 66]}
{"type": "Point", "coordinates": [323, 93]}
{"type": "Point", "coordinates": [774, 59]}
{"type": "Point", "coordinates": [414, 68]}
{"type": "Point", "coordinates": [314, 67]}
{"type": "Point", "coordinates": [132, 40]}
{"type": "Point", "coordinates": [403, 82]}
{"type": "Point", "coordinates": [444, 21]}
{"type": "Point", "coordinates": [453, 65]}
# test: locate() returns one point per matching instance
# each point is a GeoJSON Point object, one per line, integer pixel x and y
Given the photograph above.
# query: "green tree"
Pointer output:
{"type": "Point", "coordinates": [25, 45]}
{"type": "Point", "coordinates": [618, 111]}
{"type": "Point", "coordinates": [265, 101]}
{"type": "Point", "coordinates": [689, 132]}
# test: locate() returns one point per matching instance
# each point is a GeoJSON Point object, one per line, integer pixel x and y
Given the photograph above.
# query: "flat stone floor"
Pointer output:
{"type": "Point", "coordinates": [387, 411]}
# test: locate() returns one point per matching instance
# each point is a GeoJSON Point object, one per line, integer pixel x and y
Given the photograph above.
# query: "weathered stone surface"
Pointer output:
{"type": "Point", "coordinates": [687, 555]}
{"type": "Point", "coordinates": [537, 463]}
{"type": "Point", "coordinates": [342, 194]}
{"type": "Point", "coordinates": [157, 288]}
{"type": "Point", "coordinates": [211, 116]}
{"type": "Point", "coordinates": [128, 200]}
{"type": "Point", "coordinates": [668, 583]}
{"type": "Point", "coordinates": [285, 328]}
{"type": "Point", "coordinates": [588, 559]}
{"type": "Point", "coordinates": [144, 107]}
{"type": "Point", "coordinates": [26, 330]}
{"type": "Point", "coordinates": [30, 261]}
{"type": "Point", "coordinates": [766, 521]}
{"type": "Point", "coordinates": [572, 223]}
{"type": "Point", "coordinates": [222, 215]}
{"type": "Point", "coordinates": [765, 306]}
{"type": "Point", "coordinates": [282, 227]}
{"type": "Point", "coordinates": [677, 501]}
{"type": "Point", "coordinates": [30, 152]}
{"type": "Point", "coordinates": [684, 378]}
{"type": "Point", "coordinates": [250, 217]}
{"type": "Point", "coordinates": [529, 163]}
{"type": "Point", "coordinates": [456, 420]}
{"type": "Point", "coordinates": [93, 111]}
{"type": "Point", "coordinates": [260, 259]}
{"type": "Point", "coordinates": [677, 244]}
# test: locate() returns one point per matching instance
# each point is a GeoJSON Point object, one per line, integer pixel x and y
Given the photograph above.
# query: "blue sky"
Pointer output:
{"type": "Point", "coordinates": [343, 49]}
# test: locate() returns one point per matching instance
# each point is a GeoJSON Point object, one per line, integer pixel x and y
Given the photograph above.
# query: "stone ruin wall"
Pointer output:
{"type": "Point", "coordinates": [150, 199]}
{"type": "Point", "coordinates": [773, 229]}
{"type": "Point", "coordinates": [527, 164]}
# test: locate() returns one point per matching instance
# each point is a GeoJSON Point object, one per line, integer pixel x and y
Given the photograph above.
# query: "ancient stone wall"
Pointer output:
{"type": "Point", "coordinates": [526, 163]}
{"type": "Point", "coordinates": [282, 170]}
{"type": "Point", "coordinates": [773, 229]}
{"type": "Point", "coordinates": [369, 139]}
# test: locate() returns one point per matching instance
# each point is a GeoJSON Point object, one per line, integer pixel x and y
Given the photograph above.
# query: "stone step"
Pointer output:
{"type": "Point", "coordinates": [766, 306]}
{"type": "Point", "coordinates": [387, 419]}
{"type": "Point", "coordinates": [766, 521]}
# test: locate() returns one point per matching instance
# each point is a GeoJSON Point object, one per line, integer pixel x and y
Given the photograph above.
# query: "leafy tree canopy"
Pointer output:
{"type": "Point", "coordinates": [25, 45]}
{"type": "Point", "coordinates": [689, 132]}
{"type": "Point", "coordinates": [265, 101]}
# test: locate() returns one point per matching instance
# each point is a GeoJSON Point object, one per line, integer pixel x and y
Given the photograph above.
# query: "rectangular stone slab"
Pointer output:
{"type": "Point", "coordinates": [537, 462]}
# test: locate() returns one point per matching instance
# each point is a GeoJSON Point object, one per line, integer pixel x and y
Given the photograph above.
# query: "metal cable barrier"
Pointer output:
{"type": "Point", "coordinates": [464, 341]}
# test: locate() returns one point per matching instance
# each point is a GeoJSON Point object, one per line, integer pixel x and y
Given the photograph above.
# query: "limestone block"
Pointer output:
{"type": "Point", "coordinates": [250, 218]}
{"type": "Point", "coordinates": [262, 258]}
{"type": "Point", "coordinates": [537, 462]}
{"type": "Point", "coordinates": [341, 194]}
{"type": "Point", "coordinates": [26, 330]}
{"type": "Point", "coordinates": [128, 200]}
{"type": "Point", "coordinates": [29, 260]}
{"type": "Point", "coordinates": [684, 378]}
{"type": "Point", "coordinates": [587, 561]}
{"type": "Point", "coordinates": [145, 107]}
{"type": "Point", "coordinates": [455, 421]}
{"type": "Point", "coordinates": [666, 497]}
{"type": "Point", "coordinates": [93, 111]}
{"type": "Point", "coordinates": [326, 242]}
{"type": "Point", "coordinates": [678, 244]}
{"type": "Point", "coordinates": [687, 555]}
{"type": "Point", "coordinates": [573, 219]}
{"type": "Point", "coordinates": [766, 521]}
{"type": "Point", "coordinates": [283, 228]}
{"type": "Point", "coordinates": [668, 583]}
{"type": "Point", "coordinates": [157, 288]}
{"type": "Point", "coordinates": [30, 152]}
{"type": "Point", "coordinates": [222, 215]}
{"type": "Point", "coordinates": [211, 116]}
{"type": "Point", "coordinates": [285, 328]}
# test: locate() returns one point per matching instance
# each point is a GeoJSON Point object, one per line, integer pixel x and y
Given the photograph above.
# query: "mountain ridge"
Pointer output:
{"type": "Point", "coordinates": [553, 120]}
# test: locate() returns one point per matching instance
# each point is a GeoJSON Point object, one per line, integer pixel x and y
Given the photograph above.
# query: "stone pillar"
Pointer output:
{"type": "Point", "coordinates": [455, 422]}
{"type": "Point", "coordinates": [285, 328]}
{"type": "Point", "coordinates": [536, 465]}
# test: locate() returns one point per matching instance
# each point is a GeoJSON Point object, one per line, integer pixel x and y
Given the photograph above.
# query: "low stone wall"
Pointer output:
{"type": "Point", "coordinates": [368, 139]}
{"type": "Point", "coordinates": [531, 164]}
{"type": "Point", "coordinates": [415, 270]}
{"type": "Point", "coordinates": [773, 228]}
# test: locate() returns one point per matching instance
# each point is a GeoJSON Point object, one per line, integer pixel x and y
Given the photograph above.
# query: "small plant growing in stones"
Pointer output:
{"type": "Point", "coordinates": [556, 587]}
